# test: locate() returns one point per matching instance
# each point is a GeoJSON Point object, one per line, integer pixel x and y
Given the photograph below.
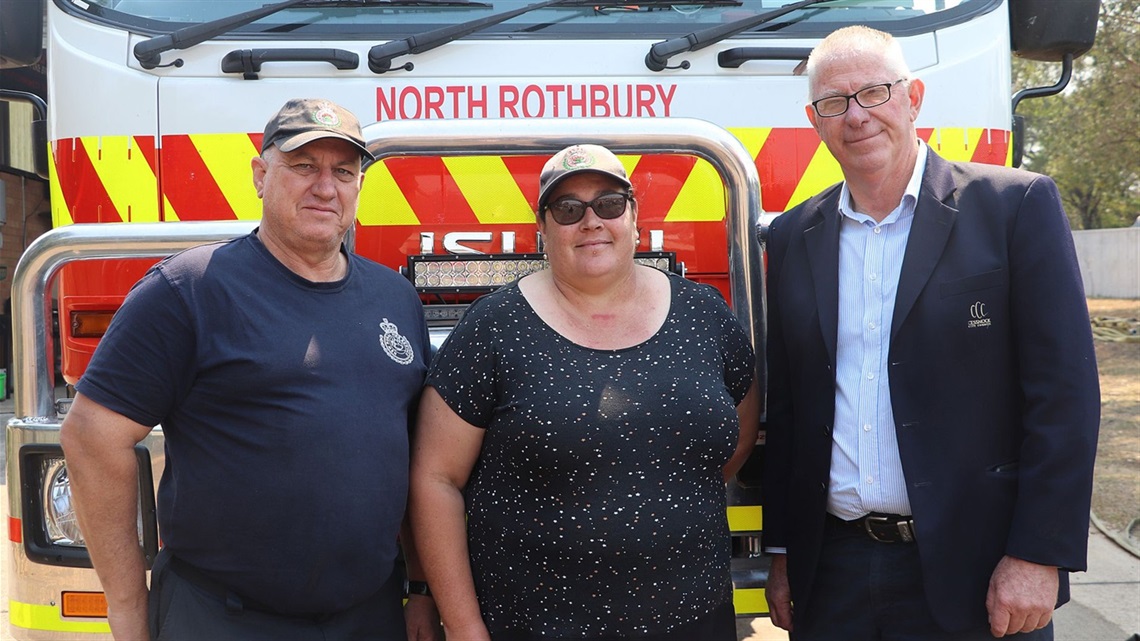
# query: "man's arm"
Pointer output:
{"type": "Point", "coordinates": [1057, 377]}
{"type": "Point", "coordinates": [99, 447]}
{"type": "Point", "coordinates": [1060, 387]}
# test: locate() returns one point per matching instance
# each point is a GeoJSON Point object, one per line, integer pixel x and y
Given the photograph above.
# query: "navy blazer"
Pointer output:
{"type": "Point", "coordinates": [992, 374]}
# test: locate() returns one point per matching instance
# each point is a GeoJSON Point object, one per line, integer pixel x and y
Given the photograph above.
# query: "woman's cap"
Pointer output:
{"type": "Point", "coordinates": [577, 159]}
{"type": "Point", "coordinates": [303, 120]}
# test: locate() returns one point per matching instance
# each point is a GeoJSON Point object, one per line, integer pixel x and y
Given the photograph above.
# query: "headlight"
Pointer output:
{"type": "Point", "coordinates": [59, 515]}
{"type": "Point", "coordinates": [50, 530]}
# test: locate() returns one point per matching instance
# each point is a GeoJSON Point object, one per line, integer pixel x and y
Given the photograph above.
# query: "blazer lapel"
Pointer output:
{"type": "Point", "coordinates": [933, 219]}
{"type": "Point", "coordinates": [822, 241]}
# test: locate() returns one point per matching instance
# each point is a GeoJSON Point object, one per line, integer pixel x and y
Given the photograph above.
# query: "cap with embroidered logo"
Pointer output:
{"type": "Point", "coordinates": [577, 159]}
{"type": "Point", "coordinates": [303, 120]}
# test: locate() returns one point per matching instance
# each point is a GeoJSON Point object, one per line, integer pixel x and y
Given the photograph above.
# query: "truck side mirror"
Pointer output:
{"type": "Point", "coordinates": [1046, 30]}
{"type": "Point", "coordinates": [21, 33]}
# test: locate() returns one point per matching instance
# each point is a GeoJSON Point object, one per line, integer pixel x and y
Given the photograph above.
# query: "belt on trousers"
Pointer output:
{"type": "Point", "coordinates": [884, 528]}
{"type": "Point", "coordinates": [234, 602]}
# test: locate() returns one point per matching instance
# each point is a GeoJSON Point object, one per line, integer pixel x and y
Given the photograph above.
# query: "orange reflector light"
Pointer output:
{"type": "Point", "coordinates": [83, 604]}
{"type": "Point", "coordinates": [91, 324]}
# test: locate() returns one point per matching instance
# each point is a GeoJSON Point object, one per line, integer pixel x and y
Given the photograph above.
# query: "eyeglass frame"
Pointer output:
{"type": "Point", "coordinates": [855, 96]}
{"type": "Point", "coordinates": [626, 197]}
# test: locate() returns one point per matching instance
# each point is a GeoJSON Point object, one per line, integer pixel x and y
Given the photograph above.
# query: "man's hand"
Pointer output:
{"type": "Point", "coordinates": [421, 618]}
{"type": "Point", "coordinates": [129, 623]}
{"type": "Point", "coordinates": [779, 594]}
{"type": "Point", "coordinates": [1022, 596]}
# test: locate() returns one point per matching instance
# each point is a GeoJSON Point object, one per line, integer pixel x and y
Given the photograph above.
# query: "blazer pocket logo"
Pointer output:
{"type": "Point", "coordinates": [978, 316]}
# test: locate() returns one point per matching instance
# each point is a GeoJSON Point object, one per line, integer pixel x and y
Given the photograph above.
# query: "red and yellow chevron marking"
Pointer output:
{"type": "Point", "coordinates": [100, 179]}
{"type": "Point", "coordinates": [208, 177]}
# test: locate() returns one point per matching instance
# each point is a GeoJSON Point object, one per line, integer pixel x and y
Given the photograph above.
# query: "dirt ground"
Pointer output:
{"type": "Point", "coordinates": [1116, 481]}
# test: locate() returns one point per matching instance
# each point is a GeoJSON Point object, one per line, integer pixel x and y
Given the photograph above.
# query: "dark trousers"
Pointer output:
{"type": "Point", "coordinates": [873, 591]}
{"type": "Point", "coordinates": [186, 610]}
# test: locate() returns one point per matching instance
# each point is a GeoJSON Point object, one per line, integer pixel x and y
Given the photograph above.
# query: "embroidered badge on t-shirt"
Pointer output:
{"type": "Point", "coordinates": [395, 346]}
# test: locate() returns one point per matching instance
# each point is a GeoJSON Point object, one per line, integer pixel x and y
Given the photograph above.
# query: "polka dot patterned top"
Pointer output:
{"type": "Point", "coordinates": [597, 505]}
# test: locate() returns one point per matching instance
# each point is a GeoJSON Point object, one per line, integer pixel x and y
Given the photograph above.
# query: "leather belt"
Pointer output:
{"type": "Point", "coordinates": [884, 528]}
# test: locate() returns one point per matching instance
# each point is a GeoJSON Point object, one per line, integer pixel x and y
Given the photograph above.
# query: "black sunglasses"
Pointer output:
{"type": "Point", "coordinates": [568, 211]}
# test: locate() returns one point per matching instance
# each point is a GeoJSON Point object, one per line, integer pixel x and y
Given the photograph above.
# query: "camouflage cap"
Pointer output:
{"type": "Point", "coordinates": [577, 159]}
{"type": "Point", "coordinates": [303, 120]}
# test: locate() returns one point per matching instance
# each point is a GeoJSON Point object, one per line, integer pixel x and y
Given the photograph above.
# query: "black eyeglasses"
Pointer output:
{"type": "Point", "coordinates": [568, 211]}
{"type": "Point", "coordinates": [867, 97]}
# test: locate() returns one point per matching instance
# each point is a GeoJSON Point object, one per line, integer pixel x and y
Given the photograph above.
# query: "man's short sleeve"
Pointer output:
{"type": "Point", "coordinates": [144, 364]}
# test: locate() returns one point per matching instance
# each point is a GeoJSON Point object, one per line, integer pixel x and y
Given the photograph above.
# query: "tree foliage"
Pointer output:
{"type": "Point", "coordinates": [1088, 137]}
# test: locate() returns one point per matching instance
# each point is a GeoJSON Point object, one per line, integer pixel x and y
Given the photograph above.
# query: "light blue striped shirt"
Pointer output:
{"type": "Point", "coordinates": [866, 471]}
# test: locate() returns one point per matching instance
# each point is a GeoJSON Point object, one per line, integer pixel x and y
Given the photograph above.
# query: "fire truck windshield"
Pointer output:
{"type": "Point", "coordinates": [383, 20]}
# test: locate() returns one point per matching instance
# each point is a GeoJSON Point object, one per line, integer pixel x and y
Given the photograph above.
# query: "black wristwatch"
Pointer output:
{"type": "Point", "coordinates": [416, 587]}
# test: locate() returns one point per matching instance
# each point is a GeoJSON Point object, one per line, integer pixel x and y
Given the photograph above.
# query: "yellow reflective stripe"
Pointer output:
{"type": "Point", "coordinates": [629, 163]}
{"type": "Point", "coordinates": [60, 213]}
{"type": "Point", "coordinates": [227, 157]}
{"type": "Point", "coordinates": [701, 198]}
{"type": "Point", "coordinates": [46, 617]}
{"type": "Point", "coordinates": [122, 168]}
{"type": "Point", "coordinates": [745, 518]}
{"type": "Point", "coordinates": [753, 138]}
{"type": "Point", "coordinates": [490, 189]}
{"type": "Point", "coordinates": [749, 601]}
{"type": "Point", "coordinates": [381, 201]}
{"type": "Point", "coordinates": [168, 213]}
{"type": "Point", "coordinates": [822, 172]}
{"type": "Point", "coordinates": [955, 143]}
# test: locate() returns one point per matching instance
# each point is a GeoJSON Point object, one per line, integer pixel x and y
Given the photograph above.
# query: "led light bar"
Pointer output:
{"type": "Point", "coordinates": [480, 273]}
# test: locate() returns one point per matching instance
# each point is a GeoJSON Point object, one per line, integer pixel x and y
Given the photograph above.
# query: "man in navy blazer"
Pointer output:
{"type": "Point", "coordinates": [933, 402]}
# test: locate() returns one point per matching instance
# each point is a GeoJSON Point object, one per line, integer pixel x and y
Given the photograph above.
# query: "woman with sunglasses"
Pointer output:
{"type": "Point", "coordinates": [575, 437]}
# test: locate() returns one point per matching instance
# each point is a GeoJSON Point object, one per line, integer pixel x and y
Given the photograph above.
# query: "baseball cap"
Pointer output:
{"type": "Point", "coordinates": [576, 159]}
{"type": "Point", "coordinates": [303, 120]}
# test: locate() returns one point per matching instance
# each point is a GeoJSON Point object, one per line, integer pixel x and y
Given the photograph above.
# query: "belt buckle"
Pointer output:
{"type": "Point", "coordinates": [870, 532]}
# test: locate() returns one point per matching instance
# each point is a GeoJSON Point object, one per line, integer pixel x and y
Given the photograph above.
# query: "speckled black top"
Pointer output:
{"type": "Point", "coordinates": [597, 506]}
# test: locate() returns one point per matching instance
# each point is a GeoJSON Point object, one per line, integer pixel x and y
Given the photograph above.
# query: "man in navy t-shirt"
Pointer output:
{"type": "Point", "coordinates": [283, 371]}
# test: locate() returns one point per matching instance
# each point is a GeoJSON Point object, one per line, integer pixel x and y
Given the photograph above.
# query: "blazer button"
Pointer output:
{"type": "Point", "coordinates": [827, 430]}
{"type": "Point", "coordinates": [823, 488]}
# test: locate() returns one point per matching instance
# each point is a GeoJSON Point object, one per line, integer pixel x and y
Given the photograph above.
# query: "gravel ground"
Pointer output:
{"type": "Point", "coordinates": [1116, 481]}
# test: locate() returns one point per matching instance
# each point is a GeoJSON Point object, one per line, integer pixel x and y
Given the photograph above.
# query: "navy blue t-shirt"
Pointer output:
{"type": "Point", "coordinates": [285, 406]}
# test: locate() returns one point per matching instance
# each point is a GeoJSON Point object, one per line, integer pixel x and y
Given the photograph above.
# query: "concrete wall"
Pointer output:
{"type": "Point", "coordinates": [1110, 261]}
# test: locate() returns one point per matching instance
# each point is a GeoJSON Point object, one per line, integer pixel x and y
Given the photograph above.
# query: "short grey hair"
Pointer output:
{"type": "Point", "coordinates": [854, 40]}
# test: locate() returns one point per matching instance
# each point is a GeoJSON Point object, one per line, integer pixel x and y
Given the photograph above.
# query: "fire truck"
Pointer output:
{"type": "Point", "coordinates": [155, 107]}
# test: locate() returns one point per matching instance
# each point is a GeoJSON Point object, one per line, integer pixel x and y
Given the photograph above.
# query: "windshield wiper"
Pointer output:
{"type": "Point", "coordinates": [149, 52]}
{"type": "Point", "coordinates": [658, 57]}
{"type": "Point", "coordinates": [380, 56]}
